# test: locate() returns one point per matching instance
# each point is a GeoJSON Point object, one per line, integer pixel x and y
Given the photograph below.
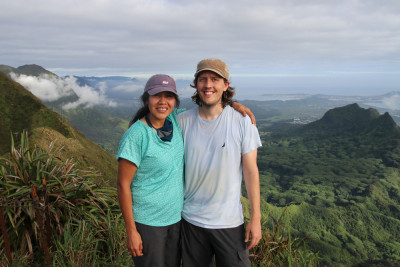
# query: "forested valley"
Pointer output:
{"type": "Point", "coordinates": [339, 180]}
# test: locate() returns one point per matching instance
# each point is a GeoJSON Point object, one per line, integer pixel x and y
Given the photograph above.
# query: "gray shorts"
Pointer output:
{"type": "Point", "coordinates": [201, 246]}
{"type": "Point", "coordinates": [161, 246]}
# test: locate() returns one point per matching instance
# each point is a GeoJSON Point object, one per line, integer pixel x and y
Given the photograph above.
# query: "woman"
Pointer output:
{"type": "Point", "coordinates": [150, 177]}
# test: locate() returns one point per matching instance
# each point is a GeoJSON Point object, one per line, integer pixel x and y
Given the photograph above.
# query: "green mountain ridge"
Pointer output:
{"type": "Point", "coordinates": [29, 70]}
{"type": "Point", "coordinates": [99, 126]}
{"type": "Point", "coordinates": [21, 110]}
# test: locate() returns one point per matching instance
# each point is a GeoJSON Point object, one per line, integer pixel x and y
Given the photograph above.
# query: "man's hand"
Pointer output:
{"type": "Point", "coordinates": [253, 229]}
{"type": "Point", "coordinates": [135, 246]}
{"type": "Point", "coordinates": [244, 111]}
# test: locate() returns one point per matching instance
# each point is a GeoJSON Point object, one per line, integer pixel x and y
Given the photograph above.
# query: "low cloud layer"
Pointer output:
{"type": "Point", "coordinates": [48, 88]}
{"type": "Point", "coordinates": [45, 87]}
{"type": "Point", "coordinates": [88, 97]}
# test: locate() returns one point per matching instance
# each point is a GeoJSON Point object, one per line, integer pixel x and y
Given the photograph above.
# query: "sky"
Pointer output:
{"type": "Point", "coordinates": [349, 47]}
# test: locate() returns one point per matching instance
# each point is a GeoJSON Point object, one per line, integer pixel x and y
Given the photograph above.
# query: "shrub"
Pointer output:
{"type": "Point", "coordinates": [44, 199]}
{"type": "Point", "coordinates": [274, 249]}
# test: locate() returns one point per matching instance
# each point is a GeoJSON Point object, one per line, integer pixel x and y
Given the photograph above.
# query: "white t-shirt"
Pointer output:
{"type": "Point", "coordinates": [213, 167]}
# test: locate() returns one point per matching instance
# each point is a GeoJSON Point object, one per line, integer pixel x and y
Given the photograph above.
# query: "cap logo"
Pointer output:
{"type": "Point", "coordinates": [165, 82]}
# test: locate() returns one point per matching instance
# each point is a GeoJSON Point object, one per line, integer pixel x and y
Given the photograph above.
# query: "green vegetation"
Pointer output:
{"type": "Point", "coordinates": [340, 179]}
{"type": "Point", "coordinates": [54, 213]}
{"type": "Point", "coordinates": [278, 247]}
{"type": "Point", "coordinates": [98, 126]}
{"type": "Point", "coordinates": [20, 110]}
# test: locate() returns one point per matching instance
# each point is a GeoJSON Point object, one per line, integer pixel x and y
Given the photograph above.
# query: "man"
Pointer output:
{"type": "Point", "coordinates": [220, 144]}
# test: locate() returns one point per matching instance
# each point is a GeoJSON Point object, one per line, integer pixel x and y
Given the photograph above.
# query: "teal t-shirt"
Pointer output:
{"type": "Point", "coordinates": [157, 187]}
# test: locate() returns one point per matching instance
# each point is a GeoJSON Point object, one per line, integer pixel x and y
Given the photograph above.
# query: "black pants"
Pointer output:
{"type": "Point", "coordinates": [200, 245]}
{"type": "Point", "coordinates": [161, 246]}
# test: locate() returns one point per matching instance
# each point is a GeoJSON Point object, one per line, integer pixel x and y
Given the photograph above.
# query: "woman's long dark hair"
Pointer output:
{"type": "Point", "coordinates": [226, 96]}
{"type": "Point", "coordinates": [144, 110]}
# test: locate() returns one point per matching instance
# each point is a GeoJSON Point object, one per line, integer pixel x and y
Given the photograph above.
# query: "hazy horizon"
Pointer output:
{"type": "Point", "coordinates": [108, 90]}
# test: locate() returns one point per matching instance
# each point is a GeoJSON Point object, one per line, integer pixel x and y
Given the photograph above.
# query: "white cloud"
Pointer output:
{"type": "Point", "coordinates": [392, 102]}
{"type": "Point", "coordinates": [49, 88]}
{"type": "Point", "coordinates": [45, 87]}
{"type": "Point", "coordinates": [88, 97]}
{"type": "Point", "coordinates": [102, 87]}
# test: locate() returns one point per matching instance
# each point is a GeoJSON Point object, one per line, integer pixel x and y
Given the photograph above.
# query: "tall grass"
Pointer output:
{"type": "Point", "coordinates": [83, 244]}
{"type": "Point", "coordinates": [54, 213]}
{"type": "Point", "coordinates": [278, 248]}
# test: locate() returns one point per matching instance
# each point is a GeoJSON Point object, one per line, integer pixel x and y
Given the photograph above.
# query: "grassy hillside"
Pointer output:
{"type": "Point", "coordinates": [103, 129]}
{"type": "Point", "coordinates": [340, 178]}
{"type": "Point", "coordinates": [21, 110]}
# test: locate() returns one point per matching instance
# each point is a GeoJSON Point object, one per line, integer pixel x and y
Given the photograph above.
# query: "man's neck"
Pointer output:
{"type": "Point", "coordinates": [209, 113]}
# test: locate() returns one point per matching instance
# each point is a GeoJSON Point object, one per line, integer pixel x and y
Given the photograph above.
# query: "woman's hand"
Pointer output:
{"type": "Point", "coordinates": [244, 111]}
{"type": "Point", "coordinates": [135, 246]}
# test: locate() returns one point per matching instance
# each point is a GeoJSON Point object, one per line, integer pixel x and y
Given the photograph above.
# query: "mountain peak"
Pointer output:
{"type": "Point", "coordinates": [348, 115]}
{"type": "Point", "coordinates": [34, 70]}
{"type": "Point", "coordinates": [29, 69]}
{"type": "Point", "coordinates": [353, 118]}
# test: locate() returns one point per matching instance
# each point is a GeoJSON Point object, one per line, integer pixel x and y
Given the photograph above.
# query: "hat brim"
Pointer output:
{"type": "Point", "coordinates": [159, 89]}
{"type": "Point", "coordinates": [209, 69]}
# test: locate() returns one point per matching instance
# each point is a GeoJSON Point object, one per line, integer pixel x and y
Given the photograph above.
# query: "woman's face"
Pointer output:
{"type": "Point", "coordinates": [160, 106]}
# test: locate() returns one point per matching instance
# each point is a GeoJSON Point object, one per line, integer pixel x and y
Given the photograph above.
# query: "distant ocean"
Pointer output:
{"type": "Point", "coordinates": [263, 88]}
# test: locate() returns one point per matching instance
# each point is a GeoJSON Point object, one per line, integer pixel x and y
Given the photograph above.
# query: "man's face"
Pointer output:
{"type": "Point", "coordinates": [210, 87]}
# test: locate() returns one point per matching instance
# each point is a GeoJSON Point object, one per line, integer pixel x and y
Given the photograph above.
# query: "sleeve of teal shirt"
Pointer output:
{"type": "Point", "coordinates": [132, 144]}
{"type": "Point", "coordinates": [179, 110]}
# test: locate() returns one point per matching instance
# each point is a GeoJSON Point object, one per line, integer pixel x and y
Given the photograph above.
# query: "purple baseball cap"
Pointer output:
{"type": "Point", "coordinates": [160, 83]}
